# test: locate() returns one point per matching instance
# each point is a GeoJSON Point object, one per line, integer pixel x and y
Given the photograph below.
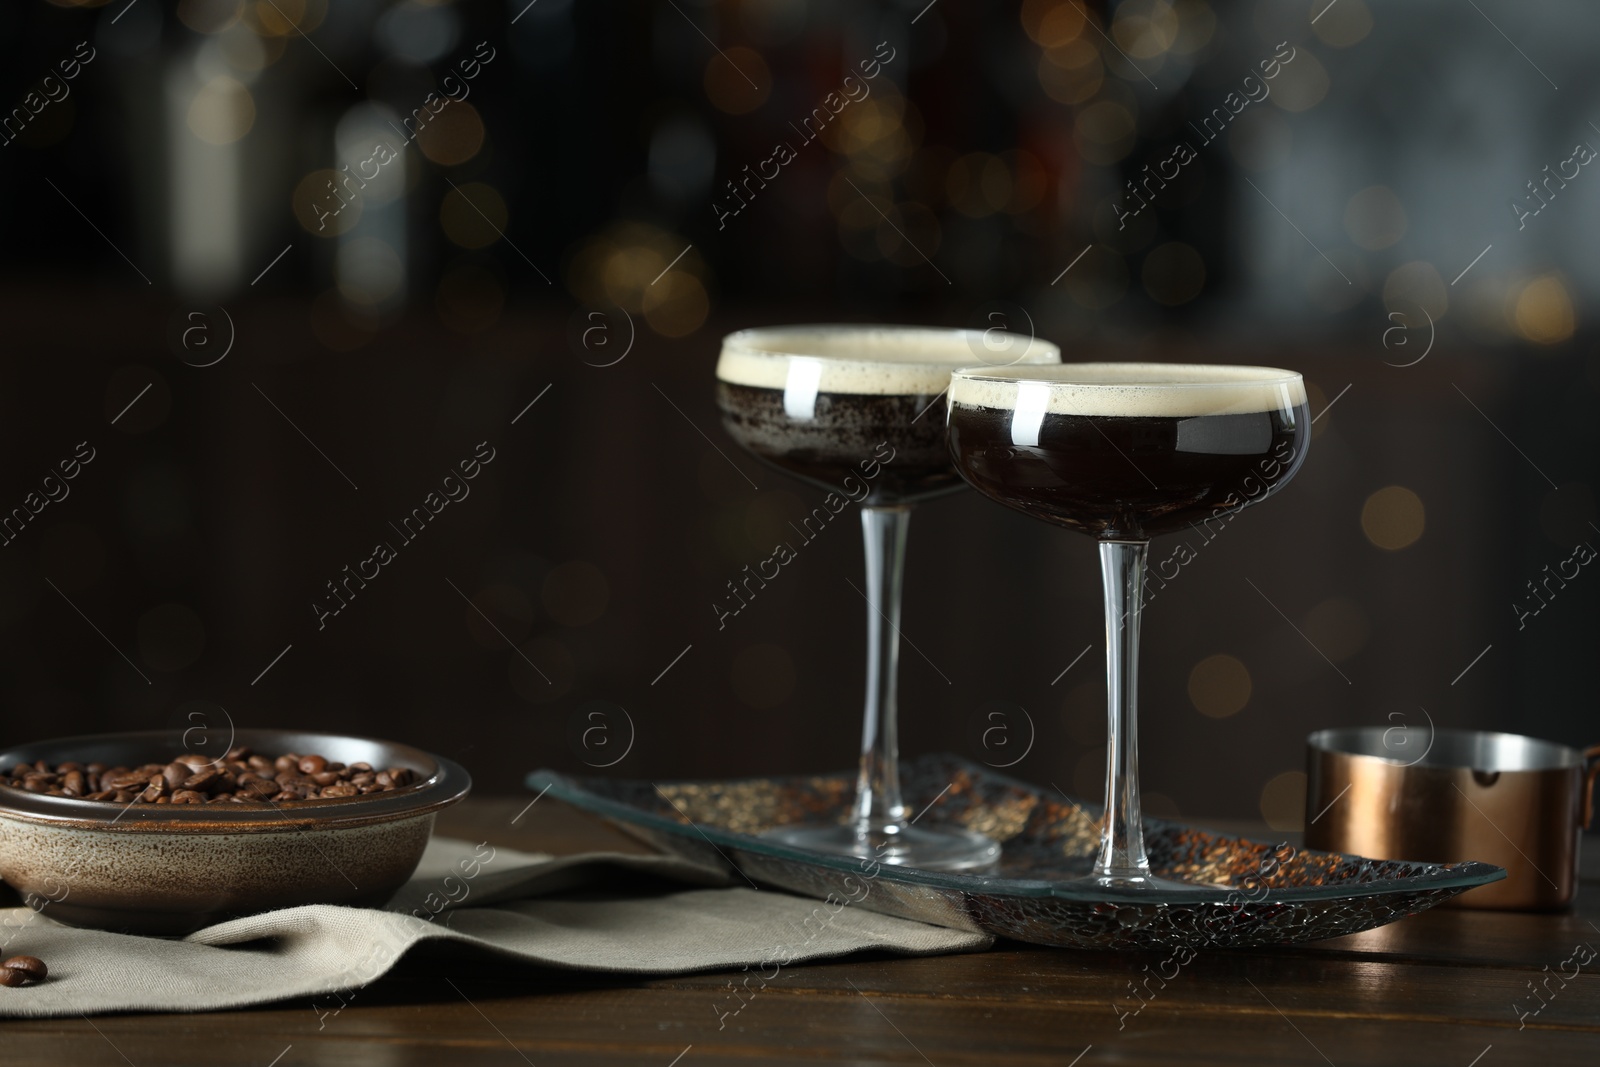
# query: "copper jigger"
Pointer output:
{"type": "Point", "coordinates": [1447, 796]}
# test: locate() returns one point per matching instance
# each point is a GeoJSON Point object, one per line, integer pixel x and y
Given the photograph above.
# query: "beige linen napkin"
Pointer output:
{"type": "Point", "coordinates": [616, 913]}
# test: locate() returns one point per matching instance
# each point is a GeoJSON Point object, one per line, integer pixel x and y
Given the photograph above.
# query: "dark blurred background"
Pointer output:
{"type": "Point", "coordinates": [271, 368]}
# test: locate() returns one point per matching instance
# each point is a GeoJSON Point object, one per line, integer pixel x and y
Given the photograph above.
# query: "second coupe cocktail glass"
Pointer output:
{"type": "Point", "coordinates": [1124, 452]}
{"type": "Point", "coordinates": [856, 410]}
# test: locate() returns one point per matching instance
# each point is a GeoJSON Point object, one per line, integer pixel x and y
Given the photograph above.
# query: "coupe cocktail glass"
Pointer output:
{"type": "Point", "coordinates": [1125, 452]}
{"type": "Point", "coordinates": [856, 410]}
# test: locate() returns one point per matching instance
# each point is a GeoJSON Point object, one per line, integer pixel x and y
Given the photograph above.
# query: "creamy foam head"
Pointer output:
{"type": "Point", "coordinates": [1161, 390]}
{"type": "Point", "coordinates": [875, 360]}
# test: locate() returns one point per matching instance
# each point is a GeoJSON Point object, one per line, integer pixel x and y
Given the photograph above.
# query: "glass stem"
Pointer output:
{"type": "Point", "coordinates": [1122, 568]}
{"type": "Point", "coordinates": [879, 810]}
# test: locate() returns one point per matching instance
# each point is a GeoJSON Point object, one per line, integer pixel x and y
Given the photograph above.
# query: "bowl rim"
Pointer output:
{"type": "Point", "coordinates": [443, 783]}
{"type": "Point", "coordinates": [1357, 743]}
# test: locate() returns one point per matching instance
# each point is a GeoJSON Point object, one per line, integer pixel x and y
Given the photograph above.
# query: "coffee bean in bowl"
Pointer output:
{"type": "Point", "coordinates": [240, 776]}
{"type": "Point", "coordinates": [185, 840]}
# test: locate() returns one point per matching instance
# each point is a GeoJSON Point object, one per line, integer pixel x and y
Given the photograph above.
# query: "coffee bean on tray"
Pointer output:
{"type": "Point", "coordinates": [242, 777]}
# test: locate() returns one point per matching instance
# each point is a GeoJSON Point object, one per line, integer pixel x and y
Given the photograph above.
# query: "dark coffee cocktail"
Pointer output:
{"type": "Point", "coordinates": [1128, 466]}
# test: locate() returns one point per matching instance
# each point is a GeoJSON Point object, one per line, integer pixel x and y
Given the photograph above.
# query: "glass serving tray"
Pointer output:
{"type": "Point", "coordinates": [1264, 893]}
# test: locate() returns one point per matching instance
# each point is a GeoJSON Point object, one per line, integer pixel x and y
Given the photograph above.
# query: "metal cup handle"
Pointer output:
{"type": "Point", "coordinates": [1591, 758]}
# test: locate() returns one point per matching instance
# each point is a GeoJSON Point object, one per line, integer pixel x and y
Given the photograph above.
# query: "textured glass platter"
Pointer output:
{"type": "Point", "coordinates": [1265, 893]}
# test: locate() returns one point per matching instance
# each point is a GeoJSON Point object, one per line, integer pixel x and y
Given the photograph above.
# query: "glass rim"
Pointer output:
{"type": "Point", "coordinates": [1060, 374]}
{"type": "Point", "coordinates": [746, 343]}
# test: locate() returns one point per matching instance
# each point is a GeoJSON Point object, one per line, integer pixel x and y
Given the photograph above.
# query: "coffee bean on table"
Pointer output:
{"type": "Point", "coordinates": [21, 969]}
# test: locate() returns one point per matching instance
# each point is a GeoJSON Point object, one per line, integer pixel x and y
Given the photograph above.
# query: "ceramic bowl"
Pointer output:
{"type": "Point", "coordinates": [172, 869]}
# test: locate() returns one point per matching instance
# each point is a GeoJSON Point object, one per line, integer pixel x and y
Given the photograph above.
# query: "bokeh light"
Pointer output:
{"type": "Point", "coordinates": [222, 111]}
{"type": "Point", "coordinates": [1072, 73]}
{"type": "Point", "coordinates": [453, 136]}
{"type": "Point", "coordinates": [1099, 280]}
{"type": "Point", "coordinates": [1219, 686]}
{"type": "Point", "coordinates": [737, 80]}
{"type": "Point", "coordinates": [1416, 285]}
{"type": "Point", "coordinates": [1283, 801]}
{"type": "Point", "coordinates": [1542, 311]}
{"type": "Point", "coordinates": [1393, 518]}
{"type": "Point", "coordinates": [474, 215]}
{"type": "Point", "coordinates": [978, 184]}
{"type": "Point", "coordinates": [1342, 24]}
{"type": "Point", "coordinates": [1145, 29]}
{"type": "Point", "coordinates": [323, 205]}
{"type": "Point", "coordinates": [283, 18]}
{"type": "Point", "coordinates": [676, 305]}
{"type": "Point", "coordinates": [1301, 83]}
{"type": "Point", "coordinates": [1104, 131]}
{"type": "Point", "coordinates": [209, 16]}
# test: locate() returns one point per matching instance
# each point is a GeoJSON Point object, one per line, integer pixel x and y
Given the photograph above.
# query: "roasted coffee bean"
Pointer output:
{"type": "Point", "coordinates": [121, 778]}
{"type": "Point", "coordinates": [243, 778]}
{"type": "Point", "coordinates": [11, 977]}
{"type": "Point", "coordinates": [31, 967]}
{"type": "Point", "coordinates": [202, 781]}
{"type": "Point", "coordinates": [250, 783]}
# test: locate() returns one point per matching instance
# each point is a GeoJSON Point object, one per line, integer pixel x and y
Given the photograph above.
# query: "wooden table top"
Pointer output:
{"type": "Point", "coordinates": [1440, 988]}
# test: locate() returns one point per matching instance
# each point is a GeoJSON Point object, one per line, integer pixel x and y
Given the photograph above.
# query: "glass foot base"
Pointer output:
{"type": "Point", "coordinates": [911, 846]}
